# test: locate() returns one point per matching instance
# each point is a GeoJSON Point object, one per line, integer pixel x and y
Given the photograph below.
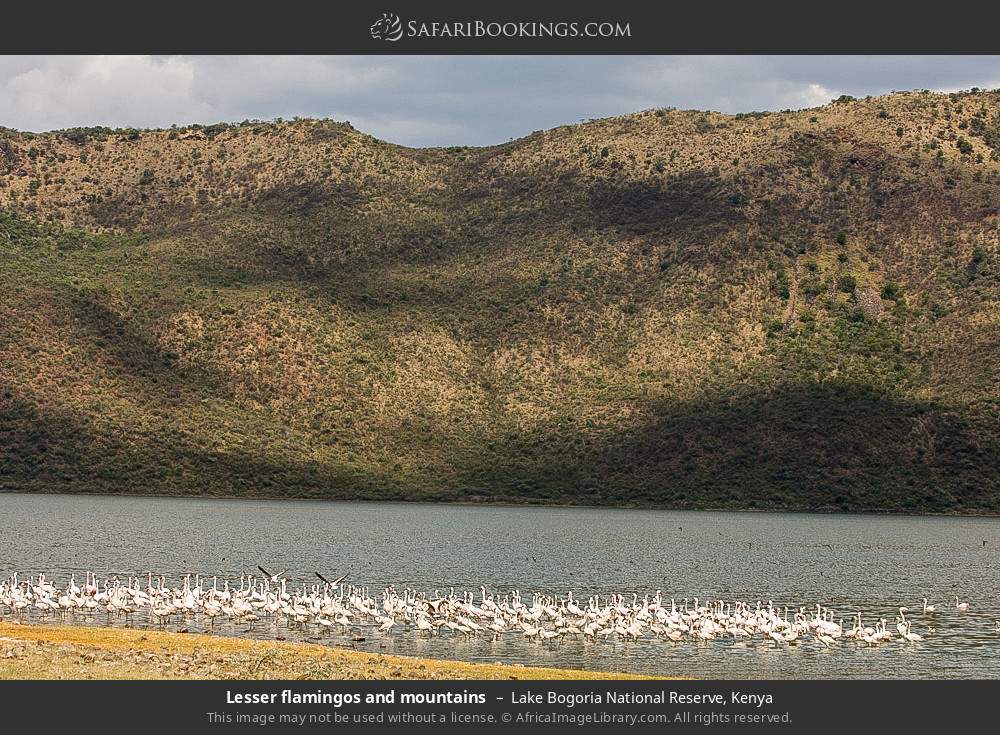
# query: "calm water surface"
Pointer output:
{"type": "Point", "coordinates": [869, 563]}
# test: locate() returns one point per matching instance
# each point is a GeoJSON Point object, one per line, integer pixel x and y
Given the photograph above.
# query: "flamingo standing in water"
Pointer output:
{"type": "Point", "coordinates": [961, 606]}
{"type": "Point", "coordinates": [903, 625]}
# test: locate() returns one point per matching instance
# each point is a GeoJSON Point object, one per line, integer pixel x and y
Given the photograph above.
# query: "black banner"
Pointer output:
{"type": "Point", "coordinates": [449, 27]}
{"type": "Point", "coordinates": [372, 706]}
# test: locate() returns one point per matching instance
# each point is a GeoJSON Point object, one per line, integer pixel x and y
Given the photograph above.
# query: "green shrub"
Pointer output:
{"type": "Point", "coordinates": [847, 283]}
{"type": "Point", "coordinates": [813, 287]}
{"type": "Point", "coordinates": [892, 291]}
{"type": "Point", "coordinates": [780, 284]}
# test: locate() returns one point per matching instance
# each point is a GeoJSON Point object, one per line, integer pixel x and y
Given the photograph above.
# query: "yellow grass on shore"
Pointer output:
{"type": "Point", "coordinates": [84, 652]}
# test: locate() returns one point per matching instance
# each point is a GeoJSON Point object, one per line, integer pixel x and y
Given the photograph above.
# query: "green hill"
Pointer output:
{"type": "Point", "coordinates": [687, 309]}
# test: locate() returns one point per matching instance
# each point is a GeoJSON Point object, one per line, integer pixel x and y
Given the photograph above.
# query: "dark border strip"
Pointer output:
{"type": "Point", "coordinates": [497, 706]}
{"type": "Point", "coordinates": [299, 27]}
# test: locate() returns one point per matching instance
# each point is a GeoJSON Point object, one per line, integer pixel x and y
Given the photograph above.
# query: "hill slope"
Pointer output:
{"type": "Point", "coordinates": [789, 310]}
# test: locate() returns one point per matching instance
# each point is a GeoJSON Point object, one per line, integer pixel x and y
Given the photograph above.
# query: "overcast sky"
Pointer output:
{"type": "Point", "coordinates": [445, 100]}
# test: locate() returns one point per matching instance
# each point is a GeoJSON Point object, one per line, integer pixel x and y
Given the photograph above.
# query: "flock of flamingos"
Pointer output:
{"type": "Point", "coordinates": [345, 609]}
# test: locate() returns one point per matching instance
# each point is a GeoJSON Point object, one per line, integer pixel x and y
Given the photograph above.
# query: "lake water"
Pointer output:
{"type": "Point", "coordinates": [871, 564]}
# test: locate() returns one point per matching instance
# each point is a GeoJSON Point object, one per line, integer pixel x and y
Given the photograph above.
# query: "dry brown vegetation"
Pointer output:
{"type": "Point", "coordinates": [63, 652]}
{"type": "Point", "coordinates": [787, 310]}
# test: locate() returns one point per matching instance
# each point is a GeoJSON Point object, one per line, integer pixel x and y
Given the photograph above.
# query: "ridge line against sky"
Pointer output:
{"type": "Point", "coordinates": [446, 100]}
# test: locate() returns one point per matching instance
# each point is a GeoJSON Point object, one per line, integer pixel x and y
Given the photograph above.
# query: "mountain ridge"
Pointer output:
{"type": "Point", "coordinates": [671, 308]}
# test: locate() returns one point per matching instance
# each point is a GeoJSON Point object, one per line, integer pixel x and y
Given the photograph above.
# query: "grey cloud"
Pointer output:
{"type": "Point", "coordinates": [453, 100]}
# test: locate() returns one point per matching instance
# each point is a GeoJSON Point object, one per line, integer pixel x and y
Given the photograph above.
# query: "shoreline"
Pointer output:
{"type": "Point", "coordinates": [29, 651]}
{"type": "Point", "coordinates": [527, 503]}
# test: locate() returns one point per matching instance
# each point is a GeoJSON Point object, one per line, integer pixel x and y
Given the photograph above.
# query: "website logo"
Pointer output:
{"type": "Point", "coordinates": [390, 28]}
{"type": "Point", "coordinates": [387, 28]}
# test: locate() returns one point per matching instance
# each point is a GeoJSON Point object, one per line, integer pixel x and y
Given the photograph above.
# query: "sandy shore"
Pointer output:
{"type": "Point", "coordinates": [66, 652]}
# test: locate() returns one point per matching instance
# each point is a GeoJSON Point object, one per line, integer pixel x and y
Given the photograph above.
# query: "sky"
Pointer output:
{"type": "Point", "coordinates": [446, 100]}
